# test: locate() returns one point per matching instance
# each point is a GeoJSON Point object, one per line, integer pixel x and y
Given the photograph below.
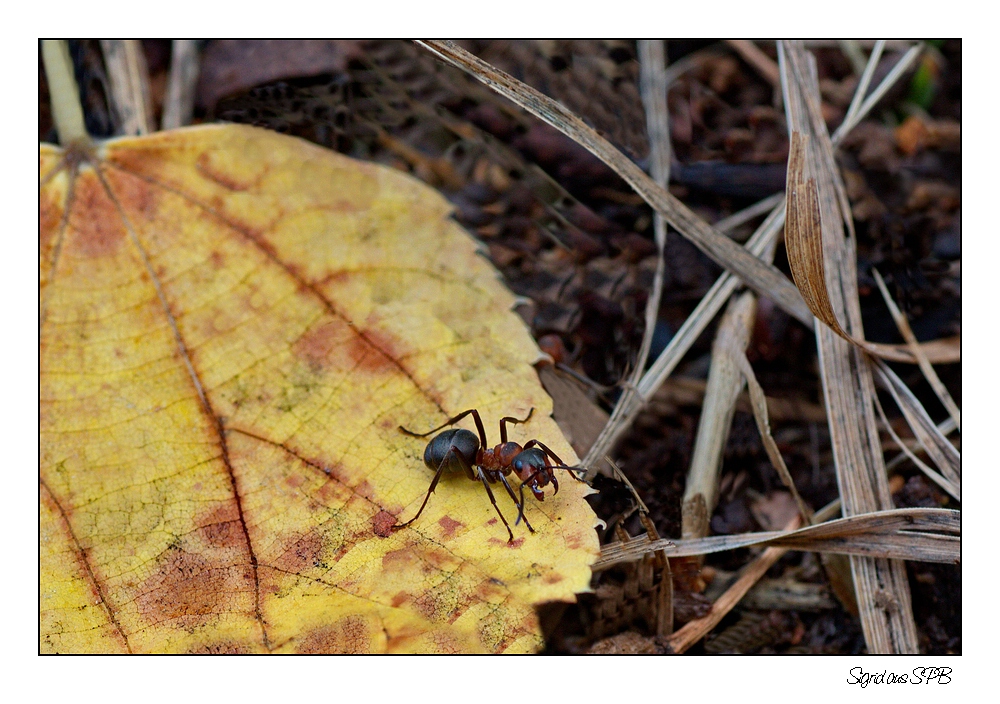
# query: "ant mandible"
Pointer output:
{"type": "Point", "coordinates": [460, 449]}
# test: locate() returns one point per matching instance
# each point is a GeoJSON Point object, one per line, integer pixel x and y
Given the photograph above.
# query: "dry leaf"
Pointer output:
{"type": "Point", "coordinates": [234, 324]}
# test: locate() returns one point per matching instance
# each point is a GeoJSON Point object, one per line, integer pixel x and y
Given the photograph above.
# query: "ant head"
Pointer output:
{"type": "Point", "coordinates": [528, 462]}
{"type": "Point", "coordinates": [447, 447]}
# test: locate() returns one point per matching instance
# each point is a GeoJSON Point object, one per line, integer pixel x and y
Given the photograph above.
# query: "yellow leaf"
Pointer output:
{"type": "Point", "coordinates": [234, 324]}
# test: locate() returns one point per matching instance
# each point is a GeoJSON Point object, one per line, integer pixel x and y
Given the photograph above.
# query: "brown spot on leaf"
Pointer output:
{"type": "Point", "coordinates": [491, 590]}
{"type": "Point", "coordinates": [147, 161]}
{"type": "Point", "coordinates": [193, 588]}
{"type": "Point", "coordinates": [382, 523]}
{"type": "Point", "coordinates": [403, 559]}
{"type": "Point", "coordinates": [221, 527]}
{"type": "Point", "coordinates": [400, 598]}
{"type": "Point", "coordinates": [301, 553]}
{"type": "Point", "coordinates": [50, 212]}
{"type": "Point", "coordinates": [138, 198]}
{"type": "Point", "coordinates": [295, 480]}
{"type": "Point", "coordinates": [217, 260]}
{"type": "Point", "coordinates": [96, 227]}
{"type": "Point", "coordinates": [348, 542]}
{"type": "Point", "coordinates": [446, 642]}
{"type": "Point", "coordinates": [351, 634]}
{"type": "Point", "coordinates": [450, 525]}
{"type": "Point", "coordinates": [336, 490]}
{"type": "Point", "coordinates": [224, 647]}
{"type": "Point", "coordinates": [553, 578]}
{"type": "Point", "coordinates": [366, 357]}
{"type": "Point", "coordinates": [317, 345]}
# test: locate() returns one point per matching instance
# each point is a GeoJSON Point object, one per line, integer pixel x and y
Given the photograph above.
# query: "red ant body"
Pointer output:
{"type": "Point", "coordinates": [459, 449]}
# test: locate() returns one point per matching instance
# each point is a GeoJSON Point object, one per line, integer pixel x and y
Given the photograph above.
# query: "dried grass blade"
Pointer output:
{"type": "Point", "coordinates": [761, 62]}
{"type": "Point", "coordinates": [820, 240]}
{"type": "Point", "coordinates": [911, 340]}
{"type": "Point", "coordinates": [759, 402]}
{"type": "Point", "coordinates": [721, 392]}
{"type": "Point", "coordinates": [955, 491]}
{"type": "Point", "coordinates": [945, 427]}
{"type": "Point", "coordinates": [865, 80]}
{"type": "Point", "coordinates": [764, 278]}
{"type": "Point", "coordinates": [128, 76]}
{"type": "Point", "coordinates": [178, 105]}
{"type": "Point", "coordinates": [930, 437]}
{"type": "Point", "coordinates": [944, 351]}
{"type": "Point", "coordinates": [894, 75]}
{"type": "Point", "coordinates": [925, 534]}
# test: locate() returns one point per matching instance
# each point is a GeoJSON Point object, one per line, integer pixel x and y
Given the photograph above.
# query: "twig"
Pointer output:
{"type": "Point", "coordinates": [129, 80]}
{"type": "Point", "coordinates": [820, 242]}
{"type": "Point", "coordinates": [178, 106]}
{"type": "Point", "coordinates": [724, 385]}
{"type": "Point", "coordinates": [945, 427]}
{"type": "Point", "coordinates": [866, 78]}
{"type": "Point", "coordinates": [925, 366]}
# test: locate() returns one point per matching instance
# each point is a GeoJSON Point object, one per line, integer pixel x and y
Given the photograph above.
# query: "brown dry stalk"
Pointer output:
{"type": "Point", "coordinates": [804, 242]}
{"type": "Point", "coordinates": [930, 437]}
{"type": "Point", "coordinates": [759, 402]}
{"type": "Point", "coordinates": [721, 392]}
{"type": "Point", "coordinates": [817, 201]}
{"type": "Point", "coordinates": [934, 476]}
{"type": "Point", "coordinates": [129, 80]}
{"type": "Point", "coordinates": [928, 534]}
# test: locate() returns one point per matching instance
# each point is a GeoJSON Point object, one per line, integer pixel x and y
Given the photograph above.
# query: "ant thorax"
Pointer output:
{"type": "Point", "coordinates": [499, 458]}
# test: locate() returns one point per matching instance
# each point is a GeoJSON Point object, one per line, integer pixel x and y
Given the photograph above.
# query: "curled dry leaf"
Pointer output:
{"type": "Point", "coordinates": [234, 324]}
{"type": "Point", "coordinates": [804, 241]}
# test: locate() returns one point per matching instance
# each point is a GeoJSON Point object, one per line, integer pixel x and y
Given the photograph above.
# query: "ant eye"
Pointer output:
{"type": "Point", "coordinates": [518, 465]}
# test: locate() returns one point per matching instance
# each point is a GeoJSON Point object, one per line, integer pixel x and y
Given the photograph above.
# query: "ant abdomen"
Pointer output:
{"type": "Point", "coordinates": [444, 450]}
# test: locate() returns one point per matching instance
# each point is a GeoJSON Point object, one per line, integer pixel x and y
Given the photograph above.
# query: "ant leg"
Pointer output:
{"type": "Point", "coordinates": [493, 501]}
{"type": "Point", "coordinates": [544, 448]}
{"type": "Point", "coordinates": [521, 490]}
{"type": "Point", "coordinates": [452, 421]}
{"type": "Point", "coordinates": [520, 506]}
{"type": "Point", "coordinates": [511, 419]}
{"type": "Point", "coordinates": [434, 483]}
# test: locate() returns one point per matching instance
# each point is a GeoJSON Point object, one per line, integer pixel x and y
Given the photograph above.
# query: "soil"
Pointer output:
{"type": "Point", "coordinates": [574, 240]}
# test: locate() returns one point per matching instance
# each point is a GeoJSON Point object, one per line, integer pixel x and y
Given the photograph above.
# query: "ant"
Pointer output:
{"type": "Point", "coordinates": [460, 449]}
